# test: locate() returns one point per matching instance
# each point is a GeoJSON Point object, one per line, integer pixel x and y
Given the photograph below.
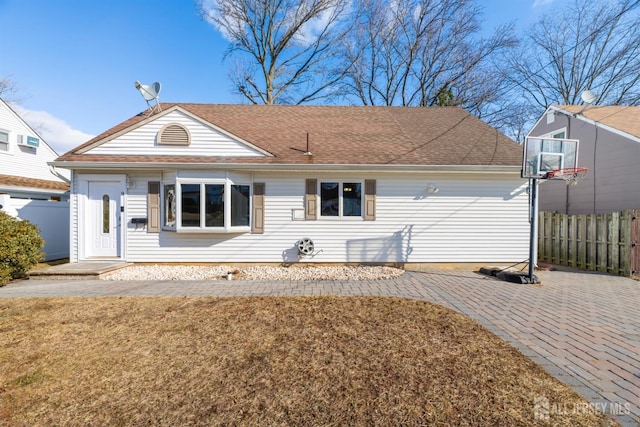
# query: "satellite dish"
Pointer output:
{"type": "Point", "coordinates": [588, 97]}
{"type": "Point", "coordinates": [150, 93]}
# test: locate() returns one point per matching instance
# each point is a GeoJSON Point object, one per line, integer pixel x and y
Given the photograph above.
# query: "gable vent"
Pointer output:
{"type": "Point", "coordinates": [174, 134]}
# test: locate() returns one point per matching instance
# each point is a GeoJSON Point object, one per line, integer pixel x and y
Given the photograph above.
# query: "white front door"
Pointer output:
{"type": "Point", "coordinates": [103, 219]}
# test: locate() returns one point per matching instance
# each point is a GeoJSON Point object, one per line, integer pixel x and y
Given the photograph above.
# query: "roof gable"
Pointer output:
{"type": "Point", "coordinates": [21, 126]}
{"type": "Point", "coordinates": [335, 135]}
{"type": "Point", "coordinates": [206, 139]}
{"type": "Point", "coordinates": [23, 161]}
{"type": "Point", "coordinates": [624, 120]}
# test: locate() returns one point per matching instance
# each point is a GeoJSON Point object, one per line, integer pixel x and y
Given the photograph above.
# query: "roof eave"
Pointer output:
{"type": "Point", "coordinates": [290, 167]}
{"type": "Point", "coordinates": [18, 189]}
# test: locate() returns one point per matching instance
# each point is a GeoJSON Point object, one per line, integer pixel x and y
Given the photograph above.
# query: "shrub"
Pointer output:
{"type": "Point", "coordinates": [20, 247]}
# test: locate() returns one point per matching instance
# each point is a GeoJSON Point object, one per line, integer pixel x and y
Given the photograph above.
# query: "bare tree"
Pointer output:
{"type": "Point", "coordinates": [423, 53]}
{"type": "Point", "coordinates": [284, 48]}
{"type": "Point", "coordinates": [589, 45]}
{"type": "Point", "coordinates": [9, 91]}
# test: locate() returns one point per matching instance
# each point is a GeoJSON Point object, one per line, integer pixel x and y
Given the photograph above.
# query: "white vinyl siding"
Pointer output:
{"type": "Point", "coordinates": [205, 140]}
{"type": "Point", "coordinates": [472, 218]}
{"type": "Point", "coordinates": [24, 162]}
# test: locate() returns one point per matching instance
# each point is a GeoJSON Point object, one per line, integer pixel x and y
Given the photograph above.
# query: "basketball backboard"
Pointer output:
{"type": "Point", "coordinates": [543, 155]}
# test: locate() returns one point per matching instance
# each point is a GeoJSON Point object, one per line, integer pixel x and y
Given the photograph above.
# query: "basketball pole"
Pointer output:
{"type": "Point", "coordinates": [534, 228]}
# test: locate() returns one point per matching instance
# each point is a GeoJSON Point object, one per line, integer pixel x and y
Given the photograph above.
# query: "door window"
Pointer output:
{"type": "Point", "coordinates": [106, 214]}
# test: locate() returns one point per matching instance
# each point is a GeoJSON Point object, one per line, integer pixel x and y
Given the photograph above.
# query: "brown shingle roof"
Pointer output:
{"type": "Point", "coordinates": [22, 182]}
{"type": "Point", "coordinates": [624, 118]}
{"type": "Point", "coordinates": [339, 135]}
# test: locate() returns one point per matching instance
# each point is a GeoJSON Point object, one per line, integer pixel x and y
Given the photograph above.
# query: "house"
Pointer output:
{"type": "Point", "coordinates": [609, 146]}
{"type": "Point", "coordinates": [282, 184]}
{"type": "Point", "coordinates": [29, 188]}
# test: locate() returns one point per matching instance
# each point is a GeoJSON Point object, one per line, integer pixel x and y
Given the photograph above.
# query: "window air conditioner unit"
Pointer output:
{"type": "Point", "coordinates": [28, 141]}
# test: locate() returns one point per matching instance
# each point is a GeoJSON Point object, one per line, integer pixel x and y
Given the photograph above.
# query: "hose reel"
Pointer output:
{"type": "Point", "coordinates": [305, 246]}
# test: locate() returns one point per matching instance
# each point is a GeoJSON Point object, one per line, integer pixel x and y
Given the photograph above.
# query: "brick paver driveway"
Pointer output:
{"type": "Point", "coordinates": [581, 327]}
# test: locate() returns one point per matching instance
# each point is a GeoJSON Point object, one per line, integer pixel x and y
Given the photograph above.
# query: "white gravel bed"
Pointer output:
{"type": "Point", "coordinates": [197, 272]}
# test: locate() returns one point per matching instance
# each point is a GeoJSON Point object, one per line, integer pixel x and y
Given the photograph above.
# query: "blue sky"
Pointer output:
{"type": "Point", "coordinates": [75, 61]}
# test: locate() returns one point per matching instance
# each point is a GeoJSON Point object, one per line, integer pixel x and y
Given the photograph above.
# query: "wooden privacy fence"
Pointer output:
{"type": "Point", "coordinates": [602, 242]}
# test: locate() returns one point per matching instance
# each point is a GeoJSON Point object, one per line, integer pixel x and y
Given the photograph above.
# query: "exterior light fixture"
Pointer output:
{"type": "Point", "coordinates": [432, 189]}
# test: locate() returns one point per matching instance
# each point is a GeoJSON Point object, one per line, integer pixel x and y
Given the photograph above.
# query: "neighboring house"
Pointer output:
{"type": "Point", "coordinates": [282, 184]}
{"type": "Point", "coordinates": [30, 188]}
{"type": "Point", "coordinates": [609, 145]}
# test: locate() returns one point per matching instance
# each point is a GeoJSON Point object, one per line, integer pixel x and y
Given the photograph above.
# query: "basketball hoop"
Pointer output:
{"type": "Point", "coordinates": [569, 175]}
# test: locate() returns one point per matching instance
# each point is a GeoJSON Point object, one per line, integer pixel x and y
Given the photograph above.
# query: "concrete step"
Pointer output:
{"type": "Point", "coordinates": [77, 270]}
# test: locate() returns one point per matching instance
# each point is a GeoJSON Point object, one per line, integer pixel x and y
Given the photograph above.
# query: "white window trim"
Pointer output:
{"type": "Point", "coordinates": [163, 206]}
{"type": "Point", "coordinates": [340, 216]}
{"type": "Point", "coordinates": [227, 228]}
{"type": "Point", "coordinates": [555, 132]}
{"type": "Point", "coordinates": [553, 136]}
{"type": "Point", "coordinates": [7, 144]}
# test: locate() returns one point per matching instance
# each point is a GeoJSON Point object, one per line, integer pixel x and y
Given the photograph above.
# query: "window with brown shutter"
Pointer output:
{"type": "Point", "coordinates": [340, 199]}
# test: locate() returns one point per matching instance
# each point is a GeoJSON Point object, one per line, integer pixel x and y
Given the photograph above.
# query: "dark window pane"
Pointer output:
{"type": "Point", "coordinates": [240, 205]}
{"type": "Point", "coordinates": [214, 205]}
{"type": "Point", "coordinates": [190, 210]}
{"type": "Point", "coordinates": [329, 199]}
{"type": "Point", "coordinates": [351, 199]}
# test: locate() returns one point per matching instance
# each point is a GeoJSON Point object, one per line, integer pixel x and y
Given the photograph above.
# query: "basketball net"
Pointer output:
{"type": "Point", "coordinates": [569, 175]}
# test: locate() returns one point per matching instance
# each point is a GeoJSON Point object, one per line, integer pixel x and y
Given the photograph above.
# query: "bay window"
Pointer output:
{"type": "Point", "coordinates": [240, 196]}
{"type": "Point", "coordinates": [207, 205]}
{"type": "Point", "coordinates": [169, 217]}
{"type": "Point", "coordinates": [214, 205]}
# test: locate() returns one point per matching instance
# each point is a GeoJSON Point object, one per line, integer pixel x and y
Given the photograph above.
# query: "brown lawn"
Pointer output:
{"type": "Point", "coordinates": [332, 361]}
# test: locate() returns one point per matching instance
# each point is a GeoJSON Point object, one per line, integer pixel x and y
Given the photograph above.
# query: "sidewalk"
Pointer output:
{"type": "Point", "coordinates": [581, 327]}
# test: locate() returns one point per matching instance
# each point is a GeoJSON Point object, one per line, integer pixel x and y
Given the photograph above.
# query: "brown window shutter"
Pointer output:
{"type": "Point", "coordinates": [370, 200]}
{"type": "Point", "coordinates": [153, 207]}
{"type": "Point", "coordinates": [257, 223]}
{"type": "Point", "coordinates": [311, 199]}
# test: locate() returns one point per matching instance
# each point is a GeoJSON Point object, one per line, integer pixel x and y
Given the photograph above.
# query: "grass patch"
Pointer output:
{"type": "Point", "coordinates": [29, 378]}
{"type": "Point", "coordinates": [262, 361]}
